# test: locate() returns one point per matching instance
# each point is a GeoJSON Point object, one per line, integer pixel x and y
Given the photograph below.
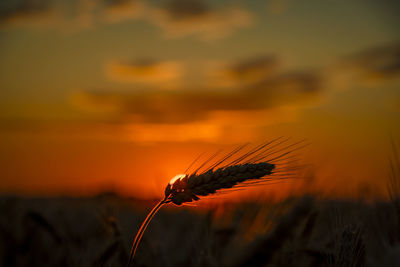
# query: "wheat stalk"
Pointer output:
{"type": "Point", "coordinates": [253, 167]}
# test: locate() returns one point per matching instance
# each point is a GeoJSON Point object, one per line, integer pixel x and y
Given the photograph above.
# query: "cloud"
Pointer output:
{"type": "Point", "coordinates": [194, 17]}
{"type": "Point", "coordinates": [159, 106]}
{"type": "Point", "coordinates": [223, 127]}
{"type": "Point", "coordinates": [379, 64]}
{"type": "Point", "coordinates": [96, 103]}
{"type": "Point", "coordinates": [262, 76]}
{"type": "Point", "coordinates": [158, 132]}
{"type": "Point", "coordinates": [118, 10]}
{"type": "Point", "coordinates": [27, 12]}
{"type": "Point", "coordinates": [166, 73]}
{"type": "Point", "coordinates": [54, 14]}
{"type": "Point", "coordinates": [179, 18]}
{"type": "Point", "coordinates": [189, 105]}
{"type": "Point", "coordinates": [248, 71]}
{"type": "Point", "coordinates": [290, 87]}
{"type": "Point", "coordinates": [204, 115]}
{"type": "Point", "coordinates": [179, 10]}
{"type": "Point", "coordinates": [176, 18]}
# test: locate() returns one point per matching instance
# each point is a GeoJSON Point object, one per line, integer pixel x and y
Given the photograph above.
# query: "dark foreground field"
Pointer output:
{"type": "Point", "coordinates": [298, 232]}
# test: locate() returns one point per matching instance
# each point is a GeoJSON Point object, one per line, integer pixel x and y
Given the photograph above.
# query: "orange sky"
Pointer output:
{"type": "Point", "coordinates": [123, 95]}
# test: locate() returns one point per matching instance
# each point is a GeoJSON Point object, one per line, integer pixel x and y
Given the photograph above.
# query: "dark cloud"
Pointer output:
{"type": "Point", "coordinates": [118, 10]}
{"type": "Point", "coordinates": [175, 17]}
{"type": "Point", "coordinates": [387, 12]}
{"type": "Point", "coordinates": [248, 71]}
{"type": "Point", "coordinates": [376, 64]}
{"type": "Point", "coordinates": [166, 106]}
{"type": "Point", "coordinates": [195, 17]}
{"type": "Point", "coordinates": [117, 3]}
{"type": "Point", "coordinates": [19, 10]}
{"type": "Point", "coordinates": [184, 106]}
{"type": "Point", "coordinates": [186, 9]}
{"type": "Point", "coordinates": [182, 17]}
{"type": "Point", "coordinates": [293, 83]}
{"type": "Point", "coordinates": [74, 13]}
{"type": "Point", "coordinates": [256, 64]}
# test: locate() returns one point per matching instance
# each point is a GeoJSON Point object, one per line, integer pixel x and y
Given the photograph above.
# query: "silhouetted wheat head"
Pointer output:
{"type": "Point", "coordinates": [271, 161]}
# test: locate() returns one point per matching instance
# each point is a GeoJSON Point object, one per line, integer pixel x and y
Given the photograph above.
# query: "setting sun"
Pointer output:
{"type": "Point", "coordinates": [177, 177]}
{"type": "Point", "coordinates": [102, 102]}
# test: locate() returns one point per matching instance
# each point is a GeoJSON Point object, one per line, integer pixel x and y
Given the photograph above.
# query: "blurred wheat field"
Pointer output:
{"type": "Point", "coordinates": [280, 110]}
{"type": "Point", "coordinates": [97, 231]}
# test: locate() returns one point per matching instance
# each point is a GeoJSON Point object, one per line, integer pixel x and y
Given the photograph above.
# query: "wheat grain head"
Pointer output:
{"type": "Point", "coordinates": [247, 169]}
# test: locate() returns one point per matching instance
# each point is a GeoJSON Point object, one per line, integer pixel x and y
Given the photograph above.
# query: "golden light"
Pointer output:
{"type": "Point", "coordinates": [179, 176]}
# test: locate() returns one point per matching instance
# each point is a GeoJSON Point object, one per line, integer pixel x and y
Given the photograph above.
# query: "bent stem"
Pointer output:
{"type": "Point", "coordinates": [142, 228]}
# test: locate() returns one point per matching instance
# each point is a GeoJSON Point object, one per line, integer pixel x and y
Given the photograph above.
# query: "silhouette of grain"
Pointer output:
{"type": "Point", "coordinates": [249, 168]}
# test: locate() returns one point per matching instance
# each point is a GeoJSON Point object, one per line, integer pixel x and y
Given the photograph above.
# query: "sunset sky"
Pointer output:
{"type": "Point", "coordinates": [122, 95]}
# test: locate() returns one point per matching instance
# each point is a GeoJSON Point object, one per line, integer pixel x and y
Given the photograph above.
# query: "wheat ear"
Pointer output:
{"type": "Point", "coordinates": [247, 169]}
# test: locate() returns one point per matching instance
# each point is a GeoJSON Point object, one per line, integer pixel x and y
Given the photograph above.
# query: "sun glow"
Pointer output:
{"type": "Point", "coordinates": [179, 176]}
